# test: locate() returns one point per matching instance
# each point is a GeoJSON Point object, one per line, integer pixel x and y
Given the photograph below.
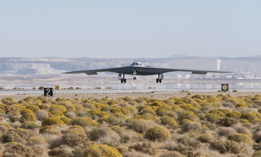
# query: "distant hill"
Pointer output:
{"type": "Point", "coordinates": [178, 56]}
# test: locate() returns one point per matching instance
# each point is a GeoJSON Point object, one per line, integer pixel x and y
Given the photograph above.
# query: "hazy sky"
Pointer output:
{"type": "Point", "coordinates": [129, 28]}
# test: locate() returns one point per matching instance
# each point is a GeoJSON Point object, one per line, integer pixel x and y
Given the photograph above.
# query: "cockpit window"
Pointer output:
{"type": "Point", "coordinates": [136, 63]}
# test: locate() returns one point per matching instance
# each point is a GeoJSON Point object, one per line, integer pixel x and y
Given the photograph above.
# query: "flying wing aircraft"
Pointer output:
{"type": "Point", "coordinates": [137, 68]}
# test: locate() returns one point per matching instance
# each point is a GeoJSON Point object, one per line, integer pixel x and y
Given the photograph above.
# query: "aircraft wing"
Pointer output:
{"type": "Point", "coordinates": [94, 72]}
{"type": "Point", "coordinates": [165, 70]}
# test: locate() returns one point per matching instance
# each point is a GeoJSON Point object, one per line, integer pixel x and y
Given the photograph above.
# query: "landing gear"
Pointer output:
{"type": "Point", "coordinates": [160, 78]}
{"type": "Point", "coordinates": [134, 74]}
{"type": "Point", "coordinates": [123, 80]}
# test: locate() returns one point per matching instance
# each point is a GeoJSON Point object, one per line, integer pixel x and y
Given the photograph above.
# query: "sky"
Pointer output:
{"type": "Point", "coordinates": [130, 28]}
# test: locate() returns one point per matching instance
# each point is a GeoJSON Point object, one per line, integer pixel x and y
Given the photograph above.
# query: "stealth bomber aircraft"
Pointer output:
{"type": "Point", "coordinates": [137, 68]}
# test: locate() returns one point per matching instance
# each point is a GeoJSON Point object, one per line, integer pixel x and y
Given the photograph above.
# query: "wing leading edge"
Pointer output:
{"type": "Point", "coordinates": [94, 72]}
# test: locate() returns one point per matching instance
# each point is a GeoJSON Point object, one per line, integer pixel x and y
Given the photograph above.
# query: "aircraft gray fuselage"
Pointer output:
{"type": "Point", "coordinates": [137, 68]}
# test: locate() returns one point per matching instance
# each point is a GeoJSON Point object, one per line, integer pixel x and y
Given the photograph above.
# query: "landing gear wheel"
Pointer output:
{"type": "Point", "coordinates": [134, 78]}
{"type": "Point", "coordinates": [157, 80]}
{"type": "Point", "coordinates": [124, 80]}
{"type": "Point", "coordinates": [121, 80]}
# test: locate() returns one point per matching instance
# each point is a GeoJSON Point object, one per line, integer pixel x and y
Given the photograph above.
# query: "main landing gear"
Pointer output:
{"type": "Point", "coordinates": [123, 80]}
{"type": "Point", "coordinates": [160, 78]}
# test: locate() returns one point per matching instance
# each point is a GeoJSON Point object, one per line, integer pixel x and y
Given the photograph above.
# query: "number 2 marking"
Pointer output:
{"type": "Point", "coordinates": [48, 91]}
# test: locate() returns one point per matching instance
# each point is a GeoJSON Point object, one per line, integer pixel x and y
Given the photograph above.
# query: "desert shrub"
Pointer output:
{"type": "Point", "coordinates": [6, 125]}
{"type": "Point", "coordinates": [49, 130]}
{"type": "Point", "coordinates": [244, 130]}
{"type": "Point", "coordinates": [36, 140]}
{"type": "Point", "coordinates": [212, 117]}
{"type": "Point", "coordinates": [66, 120]}
{"type": "Point", "coordinates": [233, 101]}
{"type": "Point", "coordinates": [141, 126]}
{"type": "Point", "coordinates": [146, 148]}
{"type": "Point", "coordinates": [25, 111]}
{"type": "Point", "coordinates": [257, 146]}
{"type": "Point", "coordinates": [59, 108]}
{"type": "Point", "coordinates": [28, 117]}
{"type": "Point", "coordinates": [96, 133]}
{"type": "Point", "coordinates": [8, 101]}
{"type": "Point", "coordinates": [205, 138]}
{"type": "Point", "coordinates": [42, 114]}
{"type": "Point", "coordinates": [227, 121]}
{"type": "Point", "coordinates": [171, 154]}
{"type": "Point", "coordinates": [157, 133]}
{"type": "Point", "coordinates": [250, 116]}
{"type": "Point", "coordinates": [166, 120]}
{"type": "Point", "coordinates": [12, 110]}
{"type": "Point", "coordinates": [184, 121]}
{"type": "Point", "coordinates": [33, 108]}
{"type": "Point", "coordinates": [94, 111]}
{"type": "Point", "coordinates": [125, 111]}
{"type": "Point", "coordinates": [146, 117]}
{"type": "Point", "coordinates": [130, 135]}
{"type": "Point", "coordinates": [113, 139]}
{"type": "Point", "coordinates": [70, 115]}
{"type": "Point", "coordinates": [103, 114]}
{"type": "Point", "coordinates": [228, 104]}
{"type": "Point", "coordinates": [76, 129]}
{"type": "Point", "coordinates": [226, 147]}
{"type": "Point", "coordinates": [57, 152]}
{"type": "Point", "coordinates": [113, 120]}
{"type": "Point", "coordinates": [73, 139]}
{"type": "Point", "coordinates": [3, 130]}
{"type": "Point", "coordinates": [187, 141]}
{"type": "Point", "coordinates": [183, 149]}
{"type": "Point", "coordinates": [241, 105]}
{"type": "Point", "coordinates": [38, 151]}
{"type": "Point", "coordinates": [52, 121]}
{"type": "Point", "coordinates": [98, 105]}
{"type": "Point", "coordinates": [111, 102]}
{"type": "Point", "coordinates": [240, 138]}
{"type": "Point", "coordinates": [102, 119]}
{"type": "Point", "coordinates": [256, 154]}
{"type": "Point", "coordinates": [20, 107]}
{"type": "Point", "coordinates": [18, 150]}
{"type": "Point", "coordinates": [123, 149]}
{"type": "Point", "coordinates": [98, 150]}
{"type": "Point", "coordinates": [10, 136]}
{"type": "Point", "coordinates": [188, 115]}
{"type": "Point", "coordinates": [234, 114]}
{"type": "Point", "coordinates": [83, 121]}
{"type": "Point", "coordinates": [115, 110]}
{"type": "Point", "coordinates": [226, 131]}
{"type": "Point", "coordinates": [30, 125]}
{"type": "Point", "coordinates": [117, 128]}
{"type": "Point", "coordinates": [257, 137]}
{"type": "Point", "coordinates": [191, 127]}
{"type": "Point", "coordinates": [245, 122]}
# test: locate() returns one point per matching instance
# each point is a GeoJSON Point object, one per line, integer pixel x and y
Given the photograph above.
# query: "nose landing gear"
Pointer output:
{"type": "Point", "coordinates": [134, 74]}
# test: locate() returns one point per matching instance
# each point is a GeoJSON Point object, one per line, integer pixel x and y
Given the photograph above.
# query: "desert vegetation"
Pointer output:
{"type": "Point", "coordinates": [190, 126]}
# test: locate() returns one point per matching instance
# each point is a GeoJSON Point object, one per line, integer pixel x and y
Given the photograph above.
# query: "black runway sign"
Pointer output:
{"type": "Point", "coordinates": [48, 92]}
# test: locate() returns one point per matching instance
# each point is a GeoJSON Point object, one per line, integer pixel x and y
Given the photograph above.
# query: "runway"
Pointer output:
{"type": "Point", "coordinates": [111, 91]}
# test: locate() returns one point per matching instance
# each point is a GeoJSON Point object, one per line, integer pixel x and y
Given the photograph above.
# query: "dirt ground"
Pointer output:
{"type": "Point", "coordinates": [157, 95]}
